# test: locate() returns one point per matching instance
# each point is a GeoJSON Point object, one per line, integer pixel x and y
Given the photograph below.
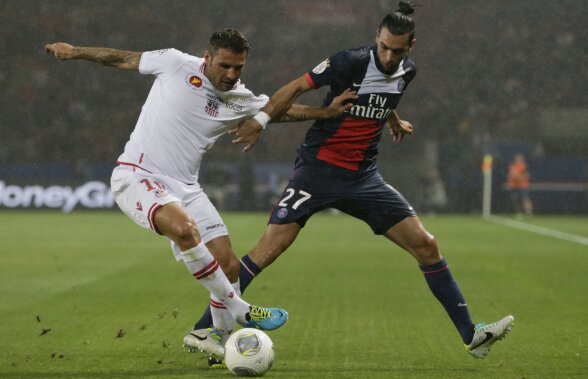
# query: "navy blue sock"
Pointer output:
{"type": "Point", "coordinates": [446, 290]}
{"type": "Point", "coordinates": [247, 272]}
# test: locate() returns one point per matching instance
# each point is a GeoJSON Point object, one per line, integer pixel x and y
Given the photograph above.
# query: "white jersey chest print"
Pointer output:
{"type": "Point", "coordinates": [183, 115]}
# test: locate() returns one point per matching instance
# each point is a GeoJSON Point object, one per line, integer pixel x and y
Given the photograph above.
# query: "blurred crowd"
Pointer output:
{"type": "Point", "coordinates": [479, 63]}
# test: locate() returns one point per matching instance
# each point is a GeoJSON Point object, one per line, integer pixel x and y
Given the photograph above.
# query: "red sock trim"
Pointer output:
{"type": "Point", "coordinates": [209, 269]}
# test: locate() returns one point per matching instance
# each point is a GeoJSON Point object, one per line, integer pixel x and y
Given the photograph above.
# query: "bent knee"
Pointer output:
{"type": "Point", "coordinates": [426, 250]}
{"type": "Point", "coordinates": [186, 235]}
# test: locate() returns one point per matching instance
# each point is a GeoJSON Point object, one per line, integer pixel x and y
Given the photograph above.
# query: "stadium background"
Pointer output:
{"type": "Point", "coordinates": [494, 77]}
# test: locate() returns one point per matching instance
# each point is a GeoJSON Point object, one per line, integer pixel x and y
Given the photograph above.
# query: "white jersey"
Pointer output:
{"type": "Point", "coordinates": [183, 116]}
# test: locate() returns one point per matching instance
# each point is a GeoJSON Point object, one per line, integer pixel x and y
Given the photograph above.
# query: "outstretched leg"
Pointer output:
{"type": "Point", "coordinates": [412, 236]}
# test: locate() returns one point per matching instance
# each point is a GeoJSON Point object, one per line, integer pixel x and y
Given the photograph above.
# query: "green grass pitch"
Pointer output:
{"type": "Point", "coordinates": [93, 295]}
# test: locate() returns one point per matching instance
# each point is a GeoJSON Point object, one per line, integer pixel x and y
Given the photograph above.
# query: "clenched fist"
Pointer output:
{"type": "Point", "coordinates": [60, 50]}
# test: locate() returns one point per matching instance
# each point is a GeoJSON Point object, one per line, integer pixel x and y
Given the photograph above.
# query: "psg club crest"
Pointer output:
{"type": "Point", "coordinates": [211, 107]}
{"type": "Point", "coordinates": [283, 212]}
{"type": "Point", "coordinates": [401, 85]}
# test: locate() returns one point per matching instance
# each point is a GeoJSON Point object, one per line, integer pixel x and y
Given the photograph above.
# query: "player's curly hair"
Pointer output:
{"type": "Point", "coordinates": [230, 39]}
{"type": "Point", "coordinates": [400, 22]}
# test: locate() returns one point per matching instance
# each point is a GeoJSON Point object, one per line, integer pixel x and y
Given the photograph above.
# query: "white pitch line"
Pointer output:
{"type": "Point", "coordinates": [538, 229]}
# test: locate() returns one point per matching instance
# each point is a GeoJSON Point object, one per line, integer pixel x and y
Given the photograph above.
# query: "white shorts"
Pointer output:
{"type": "Point", "coordinates": [139, 194]}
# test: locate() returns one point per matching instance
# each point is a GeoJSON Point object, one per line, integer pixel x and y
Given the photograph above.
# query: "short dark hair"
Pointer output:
{"type": "Point", "coordinates": [400, 22]}
{"type": "Point", "coordinates": [229, 38]}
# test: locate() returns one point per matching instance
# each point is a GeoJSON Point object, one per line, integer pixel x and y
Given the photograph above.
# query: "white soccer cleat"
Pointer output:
{"type": "Point", "coordinates": [486, 335]}
{"type": "Point", "coordinates": [205, 340]}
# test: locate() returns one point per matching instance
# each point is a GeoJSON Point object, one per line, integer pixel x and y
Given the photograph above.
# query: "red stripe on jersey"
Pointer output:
{"type": "Point", "coordinates": [209, 269]}
{"type": "Point", "coordinates": [216, 304]}
{"type": "Point", "coordinates": [310, 81]}
{"type": "Point", "coordinates": [132, 165]}
{"type": "Point", "coordinates": [151, 215]}
{"type": "Point", "coordinates": [346, 148]}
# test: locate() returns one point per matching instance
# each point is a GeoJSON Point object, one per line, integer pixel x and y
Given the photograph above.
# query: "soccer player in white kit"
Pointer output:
{"type": "Point", "coordinates": [192, 102]}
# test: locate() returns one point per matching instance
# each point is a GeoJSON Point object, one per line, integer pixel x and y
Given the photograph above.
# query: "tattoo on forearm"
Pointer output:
{"type": "Point", "coordinates": [109, 57]}
{"type": "Point", "coordinates": [290, 116]}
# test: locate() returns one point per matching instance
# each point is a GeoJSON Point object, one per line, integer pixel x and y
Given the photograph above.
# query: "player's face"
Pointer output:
{"type": "Point", "coordinates": [392, 49]}
{"type": "Point", "coordinates": [224, 68]}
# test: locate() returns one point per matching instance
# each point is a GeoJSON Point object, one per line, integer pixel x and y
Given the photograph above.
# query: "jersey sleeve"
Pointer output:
{"type": "Point", "coordinates": [329, 70]}
{"type": "Point", "coordinates": [411, 72]}
{"type": "Point", "coordinates": [253, 104]}
{"type": "Point", "coordinates": [256, 103]}
{"type": "Point", "coordinates": [158, 61]}
{"type": "Point", "coordinates": [244, 102]}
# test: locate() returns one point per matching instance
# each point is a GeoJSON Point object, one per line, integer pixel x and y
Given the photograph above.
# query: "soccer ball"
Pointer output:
{"type": "Point", "coordinates": [249, 352]}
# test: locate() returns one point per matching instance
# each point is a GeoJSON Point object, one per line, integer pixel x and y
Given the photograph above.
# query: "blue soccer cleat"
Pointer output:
{"type": "Point", "coordinates": [265, 318]}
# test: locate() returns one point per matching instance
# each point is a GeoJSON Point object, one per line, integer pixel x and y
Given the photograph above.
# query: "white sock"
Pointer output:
{"type": "Point", "coordinates": [222, 319]}
{"type": "Point", "coordinates": [206, 270]}
{"type": "Point", "coordinates": [237, 287]}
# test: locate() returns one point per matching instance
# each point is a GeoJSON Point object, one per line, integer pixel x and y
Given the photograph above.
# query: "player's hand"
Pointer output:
{"type": "Point", "coordinates": [342, 103]}
{"type": "Point", "coordinates": [398, 131]}
{"type": "Point", "coordinates": [247, 132]}
{"type": "Point", "coordinates": [60, 50]}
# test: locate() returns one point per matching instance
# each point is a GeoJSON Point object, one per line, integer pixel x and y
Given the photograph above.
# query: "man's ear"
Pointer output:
{"type": "Point", "coordinates": [412, 44]}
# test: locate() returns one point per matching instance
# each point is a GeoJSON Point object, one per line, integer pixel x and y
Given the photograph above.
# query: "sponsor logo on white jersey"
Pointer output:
{"type": "Point", "coordinates": [214, 226]}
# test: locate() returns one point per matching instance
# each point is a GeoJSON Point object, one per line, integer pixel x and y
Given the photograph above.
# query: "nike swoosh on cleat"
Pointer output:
{"type": "Point", "coordinates": [488, 337]}
{"type": "Point", "coordinates": [198, 337]}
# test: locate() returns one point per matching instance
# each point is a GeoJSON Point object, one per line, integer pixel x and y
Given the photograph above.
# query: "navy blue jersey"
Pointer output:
{"type": "Point", "coordinates": [351, 141]}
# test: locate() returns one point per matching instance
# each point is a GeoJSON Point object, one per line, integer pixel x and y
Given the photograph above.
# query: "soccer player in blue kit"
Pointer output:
{"type": "Point", "coordinates": [336, 168]}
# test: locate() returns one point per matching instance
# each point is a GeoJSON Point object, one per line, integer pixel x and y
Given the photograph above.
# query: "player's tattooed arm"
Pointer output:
{"type": "Point", "coordinates": [297, 112]}
{"type": "Point", "coordinates": [338, 106]}
{"type": "Point", "coordinates": [278, 106]}
{"type": "Point", "coordinates": [127, 60]}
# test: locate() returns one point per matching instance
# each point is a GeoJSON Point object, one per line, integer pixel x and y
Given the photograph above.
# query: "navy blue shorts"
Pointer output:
{"type": "Point", "coordinates": [365, 195]}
